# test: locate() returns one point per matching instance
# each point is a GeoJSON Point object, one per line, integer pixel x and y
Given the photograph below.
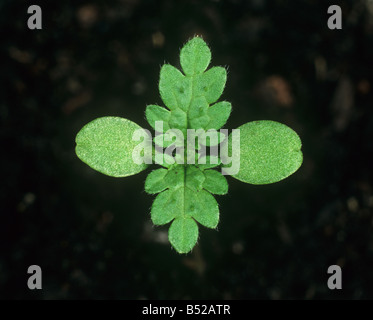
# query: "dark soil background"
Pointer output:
{"type": "Point", "coordinates": [91, 234]}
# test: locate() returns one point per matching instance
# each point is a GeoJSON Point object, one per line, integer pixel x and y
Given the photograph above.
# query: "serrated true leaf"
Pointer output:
{"type": "Point", "coordinates": [188, 97]}
{"type": "Point", "coordinates": [269, 152]}
{"type": "Point", "coordinates": [183, 234]}
{"type": "Point", "coordinates": [106, 145]}
{"type": "Point", "coordinates": [195, 56]}
{"type": "Point", "coordinates": [184, 198]}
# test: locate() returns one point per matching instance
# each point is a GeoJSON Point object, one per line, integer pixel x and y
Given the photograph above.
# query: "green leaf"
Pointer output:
{"type": "Point", "coordinates": [155, 181]}
{"type": "Point", "coordinates": [163, 179]}
{"type": "Point", "coordinates": [173, 136]}
{"type": "Point", "coordinates": [218, 114]}
{"type": "Point", "coordinates": [164, 140]}
{"type": "Point", "coordinates": [210, 84]}
{"type": "Point", "coordinates": [195, 56]}
{"type": "Point", "coordinates": [213, 138]}
{"type": "Point", "coordinates": [215, 182]}
{"type": "Point", "coordinates": [188, 97]}
{"type": "Point", "coordinates": [178, 120]}
{"type": "Point", "coordinates": [185, 198]}
{"type": "Point", "coordinates": [183, 234]}
{"type": "Point", "coordinates": [155, 113]}
{"type": "Point", "coordinates": [197, 113]}
{"type": "Point", "coordinates": [162, 159]}
{"type": "Point", "coordinates": [175, 88]}
{"type": "Point", "coordinates": [176, 176]}
{"type": "Point", "coordinates": [269, 152]}
{"type": "Point", "coordinates": [106, 145]}
{"type": "Point", "coordinates": [209, 162]}
{"type": "Point", "coordinates": [167, 205]}
{"type": "Point", "coordinates": [170, 203]}
{"type": "Point", "coordinates": [194, 178]}
{"type": "Point", "coordinates": [203, 207]}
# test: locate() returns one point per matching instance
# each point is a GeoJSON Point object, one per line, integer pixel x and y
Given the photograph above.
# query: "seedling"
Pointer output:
{"type": "Point", "coordinates": [268, 151]}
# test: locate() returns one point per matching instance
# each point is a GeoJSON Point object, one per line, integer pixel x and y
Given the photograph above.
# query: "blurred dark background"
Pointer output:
{"type": "Point", "coordinates": [91, 234]}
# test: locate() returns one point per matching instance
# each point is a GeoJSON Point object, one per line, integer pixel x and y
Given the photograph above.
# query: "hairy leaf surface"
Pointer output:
{"type": "Point", "coordinates": [106, 145]}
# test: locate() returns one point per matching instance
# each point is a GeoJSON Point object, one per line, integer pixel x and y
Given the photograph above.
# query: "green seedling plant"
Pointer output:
{"type": "Point", "coordinates": [269, 151]}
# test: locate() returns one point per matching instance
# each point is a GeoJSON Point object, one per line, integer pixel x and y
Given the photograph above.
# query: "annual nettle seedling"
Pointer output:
{"type": "Point", "coordinates": [269, 151]}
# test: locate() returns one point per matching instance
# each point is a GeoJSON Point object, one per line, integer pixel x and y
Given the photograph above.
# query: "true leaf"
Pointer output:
{"type": "Point", "coordinates": [184, 198]}
{"type": "Point", "coordinates": [106, 145]}
{"type": "Point", "coordinates": [188, 97]}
